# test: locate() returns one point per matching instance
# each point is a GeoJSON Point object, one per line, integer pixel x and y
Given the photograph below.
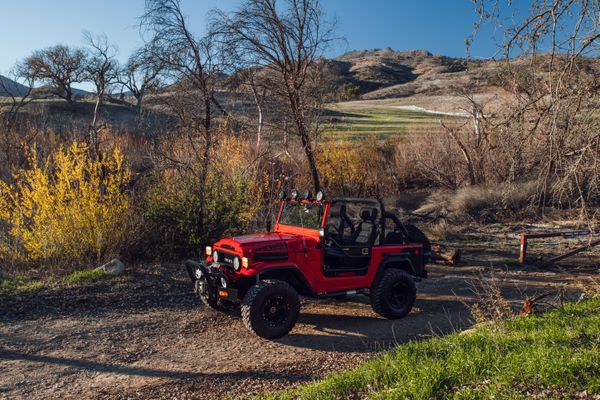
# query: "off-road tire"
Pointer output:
{"type": "Point", "coordinates": [385, 298]}
{"type": "Point", "coordinates": [272, 294]}
{"type": "Point", "coordinates": [415, 235]}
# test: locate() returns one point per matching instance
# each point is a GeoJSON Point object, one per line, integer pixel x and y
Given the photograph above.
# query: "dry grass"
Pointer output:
{"type": "Point", "coordinates": [482, 203]}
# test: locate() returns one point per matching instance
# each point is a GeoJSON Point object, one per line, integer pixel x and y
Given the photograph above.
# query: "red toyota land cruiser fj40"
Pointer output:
{"type": "Point", "coordinates": [317, 249]}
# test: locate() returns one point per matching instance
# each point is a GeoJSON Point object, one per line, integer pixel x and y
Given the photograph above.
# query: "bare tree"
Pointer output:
{"type": "Point", "coordinates": [552, 115]}
{"type": "Point", "coordinates": [18, 89]}
{"type": "Point", "coordinates": [59, 66]}
{"type": "Point", "coordinates": [191, 66]}
{"type": "Point", "coordinates": [102, 70]}
{"type": "Point", "coordinates": [287, 37]}
{"type": "Point", "coordinates": [250, 82]}
{"type": "Point", "coordinates": [141, 75]}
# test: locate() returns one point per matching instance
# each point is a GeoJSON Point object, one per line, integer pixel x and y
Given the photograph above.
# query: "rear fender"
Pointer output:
{"type": "Point", "coordinates": [397, 261]}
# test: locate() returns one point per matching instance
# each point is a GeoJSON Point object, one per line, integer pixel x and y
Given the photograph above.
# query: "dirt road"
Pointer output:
{"type": "Point", "coordinates": [149, 338]}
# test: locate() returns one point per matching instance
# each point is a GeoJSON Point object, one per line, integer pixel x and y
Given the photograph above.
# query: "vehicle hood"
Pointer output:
{"type": "Point", "coordinates": [260, 238]}
{"type": "Point", "coordinates": [263, 241]}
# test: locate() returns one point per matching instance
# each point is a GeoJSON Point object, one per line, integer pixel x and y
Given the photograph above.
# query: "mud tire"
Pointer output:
{"type": "Point", "coordinates": [270, 309]}
{"type": "Point", "coordinates": [394, 295]}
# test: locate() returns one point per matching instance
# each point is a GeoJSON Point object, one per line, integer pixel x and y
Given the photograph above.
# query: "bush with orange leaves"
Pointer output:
{"type": "Point", "coordinates": [350, 168]}
{"type": "Point", "coordinates": [181, 217]}
{"type": "Point", "coordinates": [67, 209]}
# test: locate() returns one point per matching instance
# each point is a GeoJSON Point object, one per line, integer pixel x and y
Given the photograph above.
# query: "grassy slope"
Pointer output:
{"type": "Point", "coordinates": [554, 355]}
{"type": "Point", "coordinates": [357, 120]}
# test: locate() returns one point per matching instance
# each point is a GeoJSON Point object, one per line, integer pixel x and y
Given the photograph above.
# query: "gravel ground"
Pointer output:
{"type": "Point", "coordinates": [149, 338]}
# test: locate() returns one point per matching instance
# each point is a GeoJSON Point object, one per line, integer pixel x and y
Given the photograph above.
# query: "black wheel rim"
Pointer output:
{"type": "Point", "coordinates": [276, 311]}
{"type": "Point", "coordinates": [399, 296]}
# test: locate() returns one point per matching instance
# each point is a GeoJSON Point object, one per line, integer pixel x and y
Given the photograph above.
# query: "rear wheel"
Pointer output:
{"type": "Point", "coordinates": [270, 309]}
{"type": "Point", "coordinates": [394, 295]}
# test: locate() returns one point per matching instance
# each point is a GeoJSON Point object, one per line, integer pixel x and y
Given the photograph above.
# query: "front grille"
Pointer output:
{"type": "Point", "coordinates": [226, 258]}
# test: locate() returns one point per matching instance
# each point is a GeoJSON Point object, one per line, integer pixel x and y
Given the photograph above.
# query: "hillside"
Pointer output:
{"type": "Point", "coordinates": [383, 74]}
{"type": "Point", "coordinates": [8, 87]}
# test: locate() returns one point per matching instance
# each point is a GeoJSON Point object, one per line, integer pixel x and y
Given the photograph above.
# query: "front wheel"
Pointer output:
{"type": "Point", "coordinates": [394, 295]}
{"type": "Point", "coordinates": [203, 293]}
{"type": "Point", "coordinates": [270, 309]}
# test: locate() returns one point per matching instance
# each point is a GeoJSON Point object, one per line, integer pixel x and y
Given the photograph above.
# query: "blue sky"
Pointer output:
{"type": "Point", "coordinates": [439, 26]}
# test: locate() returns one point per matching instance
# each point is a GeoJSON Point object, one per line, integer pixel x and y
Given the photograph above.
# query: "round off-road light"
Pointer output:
{"type": "Point", "coordinates": [282, 195]}
{"type": "Point", "coordinates": [208, 250]}
{"type": "Point", "coordinates": [320, 195]}
{"type": "Point", "coordinates": [237, 264]}
{"type": "Point", "coordinates": [294, 194]}
{"type": "Point", "coordinates": [215, 256]}
{"type": "Point", "coordinates": [307, 195]}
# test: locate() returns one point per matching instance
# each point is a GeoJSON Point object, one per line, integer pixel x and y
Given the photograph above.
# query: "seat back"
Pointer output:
{"type": "Point", "coordinates": [366, 231]}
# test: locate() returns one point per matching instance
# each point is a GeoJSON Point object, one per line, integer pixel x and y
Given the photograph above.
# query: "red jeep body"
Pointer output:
{"type": "Point", "coordinates": [336, 251]}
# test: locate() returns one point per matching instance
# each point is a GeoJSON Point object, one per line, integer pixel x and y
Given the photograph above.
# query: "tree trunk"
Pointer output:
{"type": "Point", "coordinates": [466, 155]}
{"type": "Point", "coordinates": [205, 161]}
{"type": "Point", "coordinates": [297, 111]}
{"type": "Point", "coordinates": [258, 102]}
{"type": "Point", "coordinates": [312, 164]}
{"type": "Point", "coordinates": [138, 105]}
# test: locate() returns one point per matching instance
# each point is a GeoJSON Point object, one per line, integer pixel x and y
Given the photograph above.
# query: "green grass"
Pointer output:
{"type": "Point", "coordinates": [360, 120]}
{"type": "Point", "coordinates": [554, 355]}
{"type": "Point", "coordinates": [20, 284]}
{"type": "Point", "coordinates": [85, 276]}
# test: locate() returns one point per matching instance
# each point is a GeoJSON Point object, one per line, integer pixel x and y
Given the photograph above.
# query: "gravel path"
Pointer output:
{"type": "Point", "coordinates": [150, 338]}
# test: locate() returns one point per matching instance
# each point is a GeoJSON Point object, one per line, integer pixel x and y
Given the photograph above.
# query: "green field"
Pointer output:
{"type": "Point", "coordinates": [553, 355]}
{"type": "Point", "coordinates": [356, 120]}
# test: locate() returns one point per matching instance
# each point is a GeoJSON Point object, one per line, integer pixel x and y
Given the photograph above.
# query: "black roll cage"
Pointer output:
{"type": "Point", "coordinates": [383, 215]}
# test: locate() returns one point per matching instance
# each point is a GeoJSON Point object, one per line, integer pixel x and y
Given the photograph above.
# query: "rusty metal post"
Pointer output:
{"type": "Point", "coordinates": [523, 253]}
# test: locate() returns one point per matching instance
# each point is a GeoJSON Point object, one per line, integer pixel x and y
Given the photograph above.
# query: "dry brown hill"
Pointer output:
{"type": "Point", "coordinates": [385, 73]}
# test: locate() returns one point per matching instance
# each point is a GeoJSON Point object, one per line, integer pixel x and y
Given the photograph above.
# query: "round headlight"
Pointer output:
{"type": "Point", "coordinates": [307, 195]}
{"type": "Point", "coordinates": [282, 195]}
{"type": "Point", "coordinates": [215, 256]}
{"type": "Point", "coordinates": [320, 195]}
{"type": "Point", "coordinates": [294, 194]}
{"type": "Point", "coordinates": [223, 282]}
{"type": "Point", "coordinates": [237, 263]}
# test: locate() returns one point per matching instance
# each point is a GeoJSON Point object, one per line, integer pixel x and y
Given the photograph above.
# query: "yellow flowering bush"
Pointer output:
{"type": "Point", "coordinates": [67, 208]}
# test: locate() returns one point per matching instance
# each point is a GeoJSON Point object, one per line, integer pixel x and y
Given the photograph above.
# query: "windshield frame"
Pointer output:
{"type": "Point", "coordinates": [324, 210]}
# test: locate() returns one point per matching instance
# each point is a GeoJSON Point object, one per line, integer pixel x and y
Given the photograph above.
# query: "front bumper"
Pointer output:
{"type": "Point", "coordinates": [214, 281]}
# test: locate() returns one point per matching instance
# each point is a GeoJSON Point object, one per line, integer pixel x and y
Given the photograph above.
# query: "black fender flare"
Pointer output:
{"type": "Point", "coordinates": [302, 285]}
{"type": "Point", "coordinates": [400, 261]}
{"type": "Point", "coordinates": [191, 266]}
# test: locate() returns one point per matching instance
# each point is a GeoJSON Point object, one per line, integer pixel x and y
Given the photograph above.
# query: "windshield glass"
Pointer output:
{"type": "Point", "coordinates": [304, 215]}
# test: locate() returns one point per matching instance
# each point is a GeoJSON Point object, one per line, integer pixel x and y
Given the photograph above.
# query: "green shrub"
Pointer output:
{"type": "Point", "coordinates": [348, 92]}
{"type": "Point", "coordinates": [182, 219]}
